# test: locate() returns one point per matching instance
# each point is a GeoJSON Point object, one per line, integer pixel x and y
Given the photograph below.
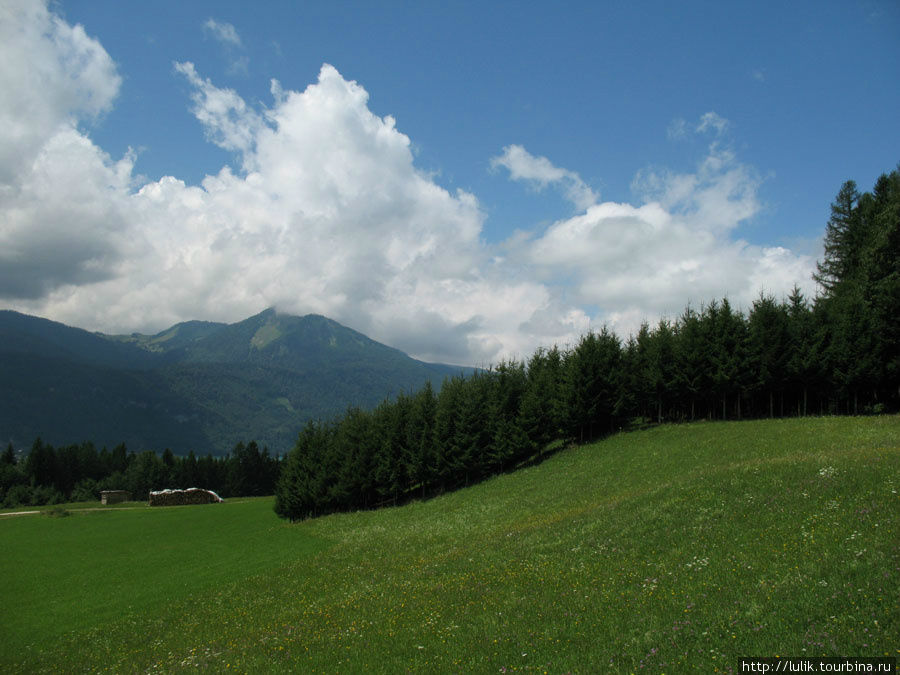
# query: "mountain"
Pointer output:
{"type": "Point", "coordinates": [23, 334]}
{"type": "Point", "coordinates": [198, 385]}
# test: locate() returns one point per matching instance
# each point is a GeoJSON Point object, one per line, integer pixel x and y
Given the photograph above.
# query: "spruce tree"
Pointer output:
{"type": "Point", "coordinates": [841, 240]}
{"type": "Point", "coordinates": [768, 348]}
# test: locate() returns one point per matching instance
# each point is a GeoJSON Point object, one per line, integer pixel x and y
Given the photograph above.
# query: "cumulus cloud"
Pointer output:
{"type": "Point", "coordinates": [644, 262]}
{"type": "Point", "coordinates": [719, 195]}
{"type": "Point", "coordinates": [60, 196]}
{"type": "Point", "coordinates": [326, 212]}
{"type": "Point", "coordinates": [52, 75]}
{"type": "Point", "coordinates": [540, 172]}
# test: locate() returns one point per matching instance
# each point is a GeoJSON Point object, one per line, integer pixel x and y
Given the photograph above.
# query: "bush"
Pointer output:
{"type": "Point", "coordinates": [86, 491]}
{"type": "Point", "coordinates": [17, 495]}
{"type": "Point", "coordinates": [43, 494]}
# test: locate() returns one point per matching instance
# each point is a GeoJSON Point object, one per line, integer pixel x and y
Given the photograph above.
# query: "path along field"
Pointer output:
{"type": "Point", "coordinates": [676, 549]}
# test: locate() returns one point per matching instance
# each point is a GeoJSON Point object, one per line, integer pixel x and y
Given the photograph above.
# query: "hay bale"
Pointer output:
{"type": "Point", "coordinates": [183, 497]}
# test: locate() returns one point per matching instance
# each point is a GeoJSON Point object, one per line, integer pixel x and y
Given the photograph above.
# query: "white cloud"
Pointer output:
{"type": "Point", "coordinates": [60, 196]}
{"type": "Point", "coordinates": [226, 35]}
{"type": "Point", "coordinates": [52, 75]}
{"type": "Point", "coordinates": [713, 121]}
{"type": "Point", "coordinates": [718, 196]}
{"type": "Point", "coordinates": [228, 121]}
{"type": "Point", "coordinates": [644, 262]}
{"type": "Point", "coordinates": [223, 31]}
{"type": "Point", "coordinates": [540, 172]}
{"type": "Point", "coordinates": [326, 212]}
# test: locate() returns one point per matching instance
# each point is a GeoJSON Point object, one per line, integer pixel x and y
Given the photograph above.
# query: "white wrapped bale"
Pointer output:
{"type": "Point", "coordinates": [183, 497]}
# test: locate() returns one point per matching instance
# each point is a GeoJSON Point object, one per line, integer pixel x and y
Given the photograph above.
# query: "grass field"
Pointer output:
{"type": "Point", "coordinates": [675, 549]}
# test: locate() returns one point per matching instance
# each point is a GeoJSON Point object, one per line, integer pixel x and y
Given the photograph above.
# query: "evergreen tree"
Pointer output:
{"type": "Point", "coordinates": [303, 484]}
{"type": "Point", "coordinates": [853, 347]}
{"type": "Point", "coordinates": [419, 459]}
{"type": "Point", "coordinates": [473, 428]}
{"type": "Point", "coordinates": [594, 384]}
{"type": "Point", "coordinates": [509, 442]}
{"type": "Point", "coordinates": [446, 420]}
{"type": "Point", "coordinates": [390, 422]}
{"type": "Point", "coordinates": [40, 465]}
{"type": "Point", "coordinates": [728, 355]}
{"type": "Point", "coordinates": [690, 361]}
{"type": "Point", "coordinates": [768, 348]}
{"type": "Point", "coordinates": [841, 240]}
{"type": "Point", "coordinates": [543, 411]}
{"type": "Point", "coordinates": [804, 356]}
{"type": "Point", "coordinates": [186, 474]}
{"type": "Point", "coordinates": [353, 462]}
{"type": "Point", "coordinates": [662, 365]}
{"type": "Point", "coordinates": [640, 372]}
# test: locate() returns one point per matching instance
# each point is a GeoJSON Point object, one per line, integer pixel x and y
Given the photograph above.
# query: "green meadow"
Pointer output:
{"type": "Point", "coordinates": [679, 548]}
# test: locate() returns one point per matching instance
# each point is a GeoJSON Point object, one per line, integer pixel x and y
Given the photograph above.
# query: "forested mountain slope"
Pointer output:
{"type": "Point", "coordinates": [198, 385]}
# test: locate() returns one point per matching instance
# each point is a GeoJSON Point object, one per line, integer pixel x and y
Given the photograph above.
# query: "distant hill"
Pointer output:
{"type": "Point", "coordinates": [198, 385]}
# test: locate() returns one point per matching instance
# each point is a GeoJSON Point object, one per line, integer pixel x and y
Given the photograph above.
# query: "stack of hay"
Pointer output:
{"type": "Point", "coordinates": [183, 497]}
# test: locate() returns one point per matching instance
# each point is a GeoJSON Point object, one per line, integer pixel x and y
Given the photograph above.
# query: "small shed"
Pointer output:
{"type": "Point", "coordinates": [114, 496]}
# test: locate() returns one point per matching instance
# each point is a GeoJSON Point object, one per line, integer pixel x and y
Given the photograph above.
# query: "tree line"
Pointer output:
{"type": "Point", "coordinates": [837, 353]}
{"type": "Point", "coordinates": [48, 475]}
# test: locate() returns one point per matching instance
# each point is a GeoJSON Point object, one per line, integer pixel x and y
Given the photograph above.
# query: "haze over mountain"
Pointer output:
{"type": "Point", "coordinates": [198, 385]}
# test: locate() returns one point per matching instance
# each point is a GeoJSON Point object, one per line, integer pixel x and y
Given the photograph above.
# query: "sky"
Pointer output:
{"type": "Point", "coordinates": [464, 181]}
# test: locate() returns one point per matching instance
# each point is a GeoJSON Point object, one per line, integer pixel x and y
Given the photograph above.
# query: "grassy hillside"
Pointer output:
{"type": "Point", "coordinates": [673, 549]}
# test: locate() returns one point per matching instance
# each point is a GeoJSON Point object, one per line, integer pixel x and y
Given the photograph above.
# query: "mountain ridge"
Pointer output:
{"type": "Point", "coordinates": [197, 385]}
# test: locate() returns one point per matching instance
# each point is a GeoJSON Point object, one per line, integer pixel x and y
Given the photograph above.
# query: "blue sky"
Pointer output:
{"type": "Point", "coordinates": [465, 181]}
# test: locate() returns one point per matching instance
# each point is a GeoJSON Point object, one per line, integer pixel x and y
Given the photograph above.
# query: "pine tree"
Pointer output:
{"type": "Point", "coordinates": [768, 348]}
{"type": "Point", "coordinates": [446, 420]}
{"type": "Point", "coordinates": [690, 358]}
{"type": "Point", "coordinates": [728, 354]}
{"type": "Point", "coordinates": [663, 366]}
{"type": "Point", "coordinates": [419, 459]}
{"type": "Point", "coordinates": [390, 435]}
{"type": "Point", "coordinates": [540, 405]}
{"type": "Point", "coordinates": [474, 426]}
{"type": "Point", "coordinates": [804, 356]}
{"type": "Point", "coordinates": [594, 384]}
{"type": "Point", "coordinates": [841, 240]}
{"type": "Point", "coordinates": [509, 441]}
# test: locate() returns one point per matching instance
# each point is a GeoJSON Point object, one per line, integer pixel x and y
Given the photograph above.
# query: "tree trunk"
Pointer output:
{"type": "Point", "coordinates": [771, 404]}
{"type": "Point", "coordinates": [804, 400]}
